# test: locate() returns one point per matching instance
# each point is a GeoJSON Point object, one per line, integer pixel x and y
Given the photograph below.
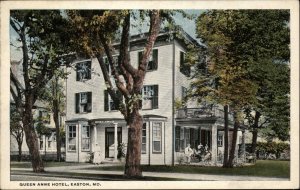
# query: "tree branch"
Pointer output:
{"type": "Point", "coordinates": [114, 71]}
{"type": "Point", "coordinates": [124, 46]}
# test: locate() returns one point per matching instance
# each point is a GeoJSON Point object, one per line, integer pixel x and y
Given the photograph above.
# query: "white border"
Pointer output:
{"type": "Point", "coordinates": [293, 5]}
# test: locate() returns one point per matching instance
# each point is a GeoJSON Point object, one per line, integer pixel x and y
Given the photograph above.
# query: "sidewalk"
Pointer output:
{"type": "Point", "coordinates": [82, 169]}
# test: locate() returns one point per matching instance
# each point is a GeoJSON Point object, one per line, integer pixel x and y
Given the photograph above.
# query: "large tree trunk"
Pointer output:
{"type": "Point", "coordinates": [133, 156]}
{"type": "Point", "coordinates": [19, 151]}
{"type": "Point", "coordinates": [31, 138]}
{"type": "Point", "coordinates": [234, 139]}
{"type": "Point", "coordinates": [225, 162]}
{"type": "Point", "coordinates": [255, 131]}
{"type": "Point", "coordinates": [57, 127]}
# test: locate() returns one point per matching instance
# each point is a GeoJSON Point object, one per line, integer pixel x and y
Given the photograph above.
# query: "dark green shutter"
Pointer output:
{"type": "Point", "coordinates": [155, 59]}
{"type": "Point", "coordinates": [155, 97]}
{"type": "Point", "coordinates": [181, 62]}
{"type": "Point", "coordinates": [77, 103]}
{"type": "Point", "coordinates": [141, 100]}
{"type": "Point", "coordinates": [105, 100]}
{"type": "Point", "coordinates": [140, 56]}
{"type": "Point", "coordinates": [89, 73]}
{"type": "Point", "coordinates": [77, 74]}
{"type": "Point", "coordinates": [89, 102]}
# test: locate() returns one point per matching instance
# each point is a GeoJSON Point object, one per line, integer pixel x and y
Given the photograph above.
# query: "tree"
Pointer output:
{"type": "Point", "coordinates": [42, 37]}
{"type": "Point", "coordinates": [16, 129]}
{"type": "Point", "coordinates": [98, 29]}
{"type": "Point", "coordinates": [54, 98]}
{"type": "Point", "coordinates": [227, 66]}
{"type": "Point", "coordinates": [42, 129]}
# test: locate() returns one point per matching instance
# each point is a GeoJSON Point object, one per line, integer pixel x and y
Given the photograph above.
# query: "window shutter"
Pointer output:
{"type": "Point", "coordinates": [120, 96]}
{"type": "Point", "coordinates": [77, 73]}
{"type": "Point", "coordinates": [105, 100]}
{"type": "Point", "coordinates": [89, 102]}
{"type": "Point", "coordinates": [155, 59]}
{"type": "Point", "coordinates": [89, 73]}
{"type": "Point", "coordinates": [141, 100]}
{"type": "Point", "coordinates": [181, 61]}
{"type": "Point", "coordinates": [140, 56]}
{"type": "Point", "coordinates": [192, 138]}
{"type": "Point", "coordinates": [77, 103]}
{"type": "Point", "coordinates": [155, 97]}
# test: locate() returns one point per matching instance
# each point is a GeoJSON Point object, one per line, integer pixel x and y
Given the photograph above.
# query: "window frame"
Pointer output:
{"type": "Point", "coordinates": [152, 59]}
{"type": "Point", "coordinates": [220, 141]}
{"type": "Point", "coordinates": [144, 129]}
{"type": "Point", "coordinates": [156, 140]}
{"type": "Point", "coordinates": [73, 137]}
{"type": "Point", "coordinates": [86, 138]}
{"type": "Point", "coordinates": [89, 71]}
{"type": "Point", "coordinates": [80, 105]}
{"type": "Point", "coordinates": [154, 98]}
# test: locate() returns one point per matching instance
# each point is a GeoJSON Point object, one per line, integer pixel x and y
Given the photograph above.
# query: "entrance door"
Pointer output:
{"type": "Point", "coordinates": [109, 141]}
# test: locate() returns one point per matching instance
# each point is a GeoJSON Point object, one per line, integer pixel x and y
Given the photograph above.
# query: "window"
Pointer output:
{"type": "Point", "coordinates": [187, 136]}
{"type": "Point", "coordinates": [49, 144]}
{"type": "Point", "coordinates": [153, 60]}
{"type": "Point", "coordinates": [144, 139]}
{"type": "Point", "coordinates": [115, 58]}
{"type": "Point", "coordinates": [109, 104]}
{"type": "Point", "coordinates": [72, 138]}
{"type": "Point", "coordinates": [177, 138]}
{"type": "Point", "coordinates": [85, 138]}
{"type": "Point", "coordinates": [184, 67]}
{"type": "Point", "coordinates": [41, 144]}
{"type": "Point", "coordinates": [220, 140]}
{"type": "Point", "coordinates": [156, 135]}
{"type": "Point", "coordinates": [150, 97]}
{"type": "Point", "coordinates": [83, 102]}
{"type": "Point", "coordinates": [83, 71]}
{"type": "Point", "coordinates": [183, 93]}
{"type": "Point", "coordinates": [44, 116]}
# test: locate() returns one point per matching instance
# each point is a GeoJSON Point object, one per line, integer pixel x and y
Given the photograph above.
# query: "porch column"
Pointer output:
{"type": "Point", "coordinates": [214, 145]}
{"type": "Point", "coordinates": [243, 146]}
{"type": "Point", "coordinates": [95, 136]}
{"type": "Point", "coordinates": [116, 142]}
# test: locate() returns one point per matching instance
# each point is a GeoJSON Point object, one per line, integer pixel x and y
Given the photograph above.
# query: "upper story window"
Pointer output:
{"type": "Point", "coordinates": [44, 116]}
{"type": "Point", "coordinates": [109, 104]}
{"type": "Point", "coordinates": [83, 102]}
{"type": "Point", "coordinates": [183, 93]}
{"type": "Point", "coordinates": [153, 60]}
{"type": "Point", "coordinates": [83, 70]}
{"type": "Point", "coordinates": [184, 67]}
{"type": "Point", "coordinates": [115, 58]}
{"type": "Point", "coordinates": [150, 97]}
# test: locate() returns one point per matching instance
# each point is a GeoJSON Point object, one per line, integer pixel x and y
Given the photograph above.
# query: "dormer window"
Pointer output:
{"type": "Point", "coordinates": [83, 70]}
{"type": "Point", "coordinates": [153, 60]}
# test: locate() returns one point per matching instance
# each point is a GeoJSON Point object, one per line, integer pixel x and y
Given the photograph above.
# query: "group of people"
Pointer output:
{"type": "Point", "coordinates": [199, 153]}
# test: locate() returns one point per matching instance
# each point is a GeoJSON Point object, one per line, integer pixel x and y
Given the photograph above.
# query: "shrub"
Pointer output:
{"type": "Point", "coordinates": [268, 148]}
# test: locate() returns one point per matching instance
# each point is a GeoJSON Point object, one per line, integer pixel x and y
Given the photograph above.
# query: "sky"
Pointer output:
{"type": "Point", "coordinates": [187, 25]}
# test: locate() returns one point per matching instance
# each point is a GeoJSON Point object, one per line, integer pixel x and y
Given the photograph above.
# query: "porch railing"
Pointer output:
{"type": "Point", "coordinates": [204, 112]}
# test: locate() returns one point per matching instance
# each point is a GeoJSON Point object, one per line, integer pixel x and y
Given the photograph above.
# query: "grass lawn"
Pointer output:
{"type": "Point", "coordinates": [47, 164]}
{"type": "Point", "coordinates": [264, 168]}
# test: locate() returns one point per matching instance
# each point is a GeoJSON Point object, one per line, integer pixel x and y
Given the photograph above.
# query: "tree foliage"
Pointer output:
{"type": "Point", "coordinates": [42, 36]}
{"type": "Point", "coordinates": [238, 43]}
